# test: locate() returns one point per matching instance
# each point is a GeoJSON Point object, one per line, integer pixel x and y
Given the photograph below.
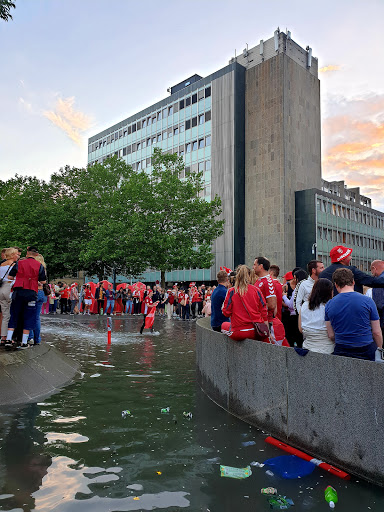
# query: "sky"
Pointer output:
{"type": "Point", "coordinates": [71, 68]}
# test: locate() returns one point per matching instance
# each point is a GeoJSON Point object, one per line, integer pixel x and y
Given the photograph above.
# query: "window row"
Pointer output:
{"type": "Point", "coordinates": [174, 130]}
{"type": "Point", "coordinates": [156, 116]}
{"type": "Point", "coordinates": [184, 148]}
{"type": "Point", "coordinates": [347, 212]}
{"type": "Point", "coordinates": [334, 235]}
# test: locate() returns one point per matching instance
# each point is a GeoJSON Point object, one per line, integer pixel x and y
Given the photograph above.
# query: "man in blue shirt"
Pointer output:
{"type": "Point", "coordinates": [217, 300]}
{"type": "Point", "coordinates": [352, 320]}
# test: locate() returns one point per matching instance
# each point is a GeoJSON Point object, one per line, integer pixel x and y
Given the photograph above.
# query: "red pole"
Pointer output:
{"type": "Point", "coordinates": [109, 327]}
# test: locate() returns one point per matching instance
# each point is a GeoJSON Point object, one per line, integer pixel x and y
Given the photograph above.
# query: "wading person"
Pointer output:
{"type": "Point", "coordinates": [28, 273]}
{"type": "Point", "coordinates": [149, 308]}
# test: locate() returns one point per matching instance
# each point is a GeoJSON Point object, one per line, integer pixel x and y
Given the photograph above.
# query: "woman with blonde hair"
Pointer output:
{"type": "Point", "coordinates": [247, 309]}
{"type": "Point", "coordinates": [11, 255]}
{"type": "Point", "coordinates": [34, 337]}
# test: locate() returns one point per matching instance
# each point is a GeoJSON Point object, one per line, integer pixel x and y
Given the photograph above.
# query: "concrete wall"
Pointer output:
{"type": "Point", "coordinates": [29, 375]}
{"type": "Point", "coordinates": [330, 407]}
{"type": "Point", "coordinates": [282, 154]}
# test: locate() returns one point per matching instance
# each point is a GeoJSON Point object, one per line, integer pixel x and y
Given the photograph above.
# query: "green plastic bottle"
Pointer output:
{"type": "Point", "coordinates": [330, 495]}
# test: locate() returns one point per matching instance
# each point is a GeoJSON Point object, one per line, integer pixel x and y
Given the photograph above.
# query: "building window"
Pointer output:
{"type": "Point", "coordinates": [182, 128]}
{"type": "Point", "coordinates": [159, 116]}
{"type": "Point", "coordinates": [138, 146]}
{"type": "Point", "coordinates": [133, 128]}
{"type": "Point", "coordinates": [194, 145]}
{"type": "Point", "coordinates": [165, 135]}
{"type": "Point", "coordinates": [165, 113]}
{"type": "Point", "coordinates": [207, 92]}
{"type": "Point", "coordinates": [129, 150]}
{"type": "Point", "coordinates": [194, 98]}
{"type": "Point", "coordinates": [201, 119]}
{"type": "Point", "coordinates": [170, 110]}
{"type": "Point", "coordinates": [129, 130]}
{"type": "Point", "coordinates": [181, 104]}
{"type": "Point", "coordinates": [181, 150]}
{"type": "Point", "coordinates": [187, 101]}
{"type": "Point", "coordinates": [153, 119]}
{"type": "Point", "coordinates": [153, 140]}
{"type": "Point", "coordinates": [194, 122]}
{"type": "Point", "coordinates": [148, 141]}
{"type": "Point", "coordinates": [208, 165]}
{"type": "Point", "coordinates": [201, 95]}
{"type": "Point", "coordinates": [124, 151]}
{"type": "Point", "coordinates": [208, 140]}
{"type": "Point", "coordinates": [176, 131]}
{"type": "Point", "coordinates": [139, 125]}
{"type": "Point", "coordinates": [201, 143]}
{"type": "Point", "coordinates": [187, 124]}
{"type": "Point", "coordinates": [208, 115]}
{"type": "Point", "coordinates": [188, 148]}
{"type": "Point", "coordinates": [201, 166]}
{"type": "Point", "coordinates": [148, 162]}
{"type": "Point", "coordinates": [187, 171]}
{"type": "Point", "coordinates": [125, 133]}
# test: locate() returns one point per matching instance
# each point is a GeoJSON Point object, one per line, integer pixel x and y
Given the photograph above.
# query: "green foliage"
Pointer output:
{"type": "Point", "coordinates": [5, 8]}
{"type": "Point", "coordinates": [108, 217]}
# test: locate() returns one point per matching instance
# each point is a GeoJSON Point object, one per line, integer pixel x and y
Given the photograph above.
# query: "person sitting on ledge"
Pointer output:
{"type": "Point", "coordinates": [352, 320]}
{"type": "Point", "coordinates": [217, 300]}
{"type": "Point", "coordinates": [245, 305]}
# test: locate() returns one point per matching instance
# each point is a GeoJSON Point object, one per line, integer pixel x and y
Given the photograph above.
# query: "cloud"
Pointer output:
{"type": "Point", "coordinates": [26, 105]}
{"type": "Point", "coordinates": [326, 69]}
{"type": "Point", "coordinates": [353, 143]}
{"type": "Point", "coordinates": [65, 117]}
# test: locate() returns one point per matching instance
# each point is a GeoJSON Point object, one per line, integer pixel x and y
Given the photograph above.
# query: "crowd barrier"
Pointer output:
{"type": "Point", "coordinates": [328, 406]}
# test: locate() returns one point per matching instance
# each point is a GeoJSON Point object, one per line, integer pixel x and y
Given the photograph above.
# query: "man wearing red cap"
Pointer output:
{"type": "Point", "coordinates": [341, 257]}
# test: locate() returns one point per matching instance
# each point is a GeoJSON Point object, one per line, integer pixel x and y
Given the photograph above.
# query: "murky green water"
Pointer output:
{"type": "Point", "coordinates": [75, 453]}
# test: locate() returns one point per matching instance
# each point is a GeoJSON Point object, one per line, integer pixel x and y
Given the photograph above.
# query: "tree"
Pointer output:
{"type": "Point", "coordinates": [181, 225]}
{"type": "Point", "coordinates": [5, 8]}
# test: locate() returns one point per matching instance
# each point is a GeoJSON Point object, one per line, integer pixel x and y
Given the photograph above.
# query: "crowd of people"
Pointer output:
{"type": "Point", "coordinates": [318, 309]}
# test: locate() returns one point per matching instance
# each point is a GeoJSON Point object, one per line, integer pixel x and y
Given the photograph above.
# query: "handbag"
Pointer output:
{"type": "Point", "coordinates": [261, 330]}
{"type": "Point", "coordinates": [5, 275]}
{"type": "Point", "coordinates": [46, 289]}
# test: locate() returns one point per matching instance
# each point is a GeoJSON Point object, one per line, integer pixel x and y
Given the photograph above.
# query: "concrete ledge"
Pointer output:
{"type": "Point", "coordinates": [330, 407]}
{"type": "Point", "coordinates": [30, 375]}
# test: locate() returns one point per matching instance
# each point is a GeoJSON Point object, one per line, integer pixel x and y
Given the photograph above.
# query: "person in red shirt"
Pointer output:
{"type": "Point", "coordinates": [274, 272]}
{"type": "Point", "coordinates": [266, 284]}
{"type": "Point", "coordinates": [88, 296]}
{"type": "Point", "coordinates": [148, 305]}
{"type": "Point", "coordinates": [196, 300]}
{"type": "Point", "coordinates": [185, 300]}
{"type": "Point", "coordinates": [245, 305]}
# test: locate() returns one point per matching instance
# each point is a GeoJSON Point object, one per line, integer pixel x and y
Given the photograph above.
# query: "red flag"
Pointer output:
{"type": "Point", "coordinates": [150, 318]}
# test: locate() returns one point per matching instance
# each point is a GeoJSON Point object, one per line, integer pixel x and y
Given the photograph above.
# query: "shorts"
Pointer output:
{"type": "Point", "coordinates": [23, 303]}
{"type": "Point", "coordinates": [88, 302]}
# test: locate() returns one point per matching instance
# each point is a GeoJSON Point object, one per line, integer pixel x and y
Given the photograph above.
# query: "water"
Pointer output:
{"type": "Point", "coordinates": [74, 452]}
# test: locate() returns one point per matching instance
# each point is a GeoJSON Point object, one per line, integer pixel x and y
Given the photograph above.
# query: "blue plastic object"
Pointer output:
{"type": "Point", "coordinates": [290, 466]}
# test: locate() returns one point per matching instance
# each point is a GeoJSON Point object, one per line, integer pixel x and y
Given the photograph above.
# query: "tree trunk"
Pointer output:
{"type": "Point", "coordinates": [162, 279]}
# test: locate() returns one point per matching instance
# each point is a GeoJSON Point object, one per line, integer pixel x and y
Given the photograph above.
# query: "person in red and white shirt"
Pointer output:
{"type": "Point", "coordinates": [196, 300]}
{"type": "Point", "coordinates": [148, 305]}
{"type": "Point", "coordinates": [88, 296]}
{"type": "Point", "coordinates": [185, 305]}
{"type": "Point", "coordinates": [266, 284]}
{"type": "Point", "coordinates": [274, 272]}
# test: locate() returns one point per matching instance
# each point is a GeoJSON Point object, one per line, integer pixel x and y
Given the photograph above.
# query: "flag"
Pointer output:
{"type": "Point", "coordinates": [150, 318]}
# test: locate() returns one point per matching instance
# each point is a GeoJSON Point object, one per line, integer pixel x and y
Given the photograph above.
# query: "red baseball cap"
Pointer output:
{"type": "Point", "coordinates": [339, 253]}
{"type": "Point", "coordinates": [288, 276]}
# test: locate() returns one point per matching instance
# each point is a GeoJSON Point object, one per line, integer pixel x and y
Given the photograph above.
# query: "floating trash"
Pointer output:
{"type": "Point", "coordinates": [187, 415]}
{"type": "Point", "coordinates": [330, 496]}
{"type": "Point", "coordinates": [290, 466]}
{"type": "Point", "coordinates": [248, 443]}
{"type": "Point", "coordinates": [268, 490]}
{"type": "Point", "coordinates": [269, 472]}
{"type": "Point", "coordinates": [126, 413]}
{"type": "Point", "coordinates": [239, 473]}
{"type": "Point", "coordinates": [257, 464]}
{"type": "Point", "coordinates": [280, 502]}
{"type": "Point", "coordinates": [165, 410]}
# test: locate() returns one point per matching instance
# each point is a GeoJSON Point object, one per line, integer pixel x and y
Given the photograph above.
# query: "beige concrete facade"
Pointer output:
{"type": "Point", "coordinates": [282, 150]}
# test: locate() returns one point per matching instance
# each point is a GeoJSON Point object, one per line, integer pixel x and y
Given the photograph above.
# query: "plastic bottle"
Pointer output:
{"type": "Point", "coordinates": [125, 413]}
{"type": "Point", "coordinates": [187, 415]}
{"type": "Point", "coordinates": [330, 495]}
{"type": "Point", "coordinates": [165, 410]}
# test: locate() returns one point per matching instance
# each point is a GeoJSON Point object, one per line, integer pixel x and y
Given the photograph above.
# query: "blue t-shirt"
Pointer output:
{"type": "Point", "coordinates": [217, 299]}
{"type": "Point", "coordinates": [350, 315]}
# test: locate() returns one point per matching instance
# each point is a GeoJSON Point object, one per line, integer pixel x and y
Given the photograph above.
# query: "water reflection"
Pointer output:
{"type": "Point", "coordinates": [74, 451]}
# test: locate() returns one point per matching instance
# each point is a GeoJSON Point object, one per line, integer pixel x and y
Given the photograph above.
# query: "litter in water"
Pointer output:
{"type": "Point", "coordinates": [268, 490]}
{"type": "Point", "coordinates": [165, 410]}
{"type": "Point", "coordinates": [248, 443]}
{"type": "Point", "coordinates": [257, 464]}
{"type": "Point", "coordinates": [187, 415]}
{"type": "Point", "coordinates": [126, 413]}
{"type": "Point", "coordinates": [269, 473]}
{"type": "Point", "coordinates": [290, 466]}
{"type": "Point", "coordinates": [239, 473]}
{"type": "Point", "coordinates": [280, 502]}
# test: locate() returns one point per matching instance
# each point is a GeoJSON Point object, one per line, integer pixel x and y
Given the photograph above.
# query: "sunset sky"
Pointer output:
{"type": "Point", "coordinates": [70, 68]}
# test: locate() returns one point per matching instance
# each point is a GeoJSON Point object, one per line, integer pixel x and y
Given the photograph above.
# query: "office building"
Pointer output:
{"type": "Point", "coordinates": [253, 128]}
{"type": "Point", "coordinates": [337, 215]}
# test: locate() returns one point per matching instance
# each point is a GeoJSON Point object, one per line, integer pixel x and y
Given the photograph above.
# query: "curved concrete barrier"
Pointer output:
{"type": "Point", "coordinates": [330, 407]}
{"type": "Point", "coordinates": [29, 375]}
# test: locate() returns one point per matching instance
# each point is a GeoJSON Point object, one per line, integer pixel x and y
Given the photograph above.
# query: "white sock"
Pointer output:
{"type": "Point", "coordinates": [9, 335]}
{"type": "Point", "coordinates": [25, 339]}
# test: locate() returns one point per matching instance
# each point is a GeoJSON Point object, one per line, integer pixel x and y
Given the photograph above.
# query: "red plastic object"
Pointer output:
{"type": "Point", "coordinates": [109, 327]}
{"type": "Point", "coordinates": [305, 456]}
